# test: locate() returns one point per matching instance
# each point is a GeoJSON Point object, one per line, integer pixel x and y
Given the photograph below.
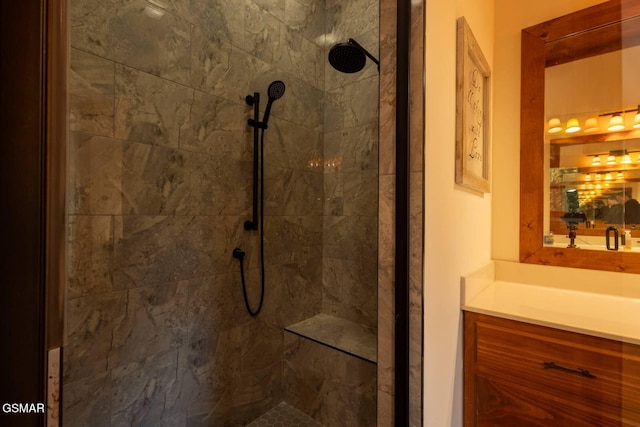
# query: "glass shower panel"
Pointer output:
{"type": "Point", "coordinates": [160, 161]}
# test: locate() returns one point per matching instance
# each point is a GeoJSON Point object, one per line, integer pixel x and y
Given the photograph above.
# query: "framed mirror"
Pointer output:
{"type": "Point", "coordinates": [576, 68]}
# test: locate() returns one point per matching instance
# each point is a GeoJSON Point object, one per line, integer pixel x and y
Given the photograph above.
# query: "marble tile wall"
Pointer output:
{"type": "Point", "coordinates": [386, 236]}
{"type": "Point", "coordinates": [350, 274]}
{"type": "Point", "coordinates": [416, 212]}
{"type": "Point", "coordinates": [159, 188]}
{"type": "Point", "coordinates": [334, 388]}
{"type": "Point", "coordinates": [159, 185]}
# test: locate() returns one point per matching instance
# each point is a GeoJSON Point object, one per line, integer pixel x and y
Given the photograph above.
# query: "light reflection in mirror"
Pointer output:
{"type": "Point", "coordinates": [592, 167]}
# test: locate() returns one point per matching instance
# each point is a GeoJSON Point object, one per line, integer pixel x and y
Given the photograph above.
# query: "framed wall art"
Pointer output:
{"type": "Point", "coordinates": [472, 112]}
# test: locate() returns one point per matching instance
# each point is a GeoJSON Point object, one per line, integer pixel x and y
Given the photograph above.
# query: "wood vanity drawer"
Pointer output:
{"type": "Point", "coordinates": [598, 380]}
{"type": "Point", "coordinates": [576, 364]}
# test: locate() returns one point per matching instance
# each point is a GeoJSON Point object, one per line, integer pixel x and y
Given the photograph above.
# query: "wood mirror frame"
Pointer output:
{"type": "Point", "coordinates": [593, 31]}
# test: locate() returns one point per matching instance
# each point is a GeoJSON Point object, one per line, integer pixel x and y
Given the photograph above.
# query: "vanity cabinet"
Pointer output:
{"type": "Point", "coordinates": [520, 374]}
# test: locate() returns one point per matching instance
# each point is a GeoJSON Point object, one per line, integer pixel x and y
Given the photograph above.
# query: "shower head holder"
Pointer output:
{"type": "Point", "coordinates": [275, 91]}
{"type": "Point", "coordinates": [252, 99]}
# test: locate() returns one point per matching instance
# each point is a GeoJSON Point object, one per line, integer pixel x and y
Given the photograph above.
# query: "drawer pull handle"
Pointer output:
{"type": "Point", "coordinates": [579, 371]}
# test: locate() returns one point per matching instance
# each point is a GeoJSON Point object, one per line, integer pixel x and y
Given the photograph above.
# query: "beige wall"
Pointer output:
{"type": "Point", "coordinates": [510, 18]}
{"type": "Point", "coordinates": [463, 231]}
{"type": "Point", "coordinates": [457, 222]}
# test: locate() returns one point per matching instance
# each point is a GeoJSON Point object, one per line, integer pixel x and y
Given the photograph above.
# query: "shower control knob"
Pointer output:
{"type": "Point", "coordinates": [250, 99]}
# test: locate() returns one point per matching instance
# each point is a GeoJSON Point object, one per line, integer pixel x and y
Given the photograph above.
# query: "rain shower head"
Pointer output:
{"type": "Point", "coordinates": [350, 57]}
{"type": "Point", "coordinates": [275, 91]}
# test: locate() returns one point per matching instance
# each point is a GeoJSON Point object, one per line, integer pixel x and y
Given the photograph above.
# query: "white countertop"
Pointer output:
{"type": "Point", "coordinates": [603, 304]}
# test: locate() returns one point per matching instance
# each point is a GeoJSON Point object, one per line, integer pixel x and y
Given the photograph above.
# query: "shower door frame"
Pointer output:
{"type": "Point", "coordinates": [409, 209]}
{"type": "Point", "coordinates": [34, 35]}
{"type": "Point", "coordinates": [400, 244]}
{"type": "Point", "coordinates": [402, 208]}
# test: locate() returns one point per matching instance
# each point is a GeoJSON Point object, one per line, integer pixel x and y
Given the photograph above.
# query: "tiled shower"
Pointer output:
{"type": "Point", "coordinates": [159, 189]}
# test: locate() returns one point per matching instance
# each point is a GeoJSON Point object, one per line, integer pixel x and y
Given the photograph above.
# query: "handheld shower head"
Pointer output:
{"type": "Point", "coordinates": [275, 91]}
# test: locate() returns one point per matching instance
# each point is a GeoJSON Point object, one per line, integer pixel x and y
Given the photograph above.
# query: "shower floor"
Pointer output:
{"type": "Point", "coordinates": [284, 415]}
